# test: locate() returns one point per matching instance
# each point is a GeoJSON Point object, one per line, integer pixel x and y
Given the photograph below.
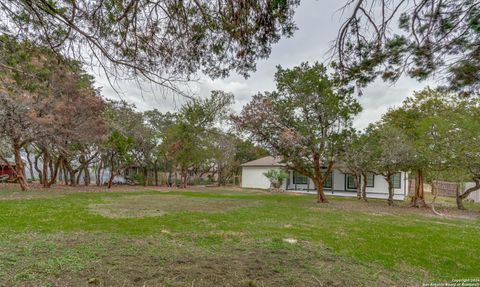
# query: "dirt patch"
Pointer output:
{"type": "Point", "coordinates": [88, 259]}
{"type": "Point", "coordinates": [11, 191]}
{"type": "Point", "coordinates": [156, 205]}
{"type": "Point", "coordinates": [380, 208]}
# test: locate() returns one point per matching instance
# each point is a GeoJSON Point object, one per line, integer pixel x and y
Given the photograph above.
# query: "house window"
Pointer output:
{"type": "Point", "coordinates": [350, 181]}
{"type": "Point", "coordinates": [397, 180]}
{"type": "Point", "coordinates": [328, 181]}
{"type": "Point", "coordinates": [299, 178]}
{"type": "Point", "coordinates": [370, 180]}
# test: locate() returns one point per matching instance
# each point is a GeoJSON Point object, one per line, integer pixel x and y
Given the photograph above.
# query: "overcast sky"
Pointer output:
{"type": "Point", "coordinates": [318, 23]}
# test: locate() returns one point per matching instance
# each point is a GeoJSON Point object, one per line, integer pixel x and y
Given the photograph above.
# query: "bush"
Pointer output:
{"type": "Point", "coordinates": [137, 178]}
{"type": "Point", "coordinates": [276, 177]}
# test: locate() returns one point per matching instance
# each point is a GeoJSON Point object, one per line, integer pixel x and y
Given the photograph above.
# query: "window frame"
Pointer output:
{"type": "Point", "coordinates": [347, 176]}
{"type": "Point", "coordinates": [330, 177]}
{"type": "Point", "coordinates": [373, 179]}
{"type": "Point", "coordinates": [399, 175]}
{"type": "Point", "coordinates": [296, 174]}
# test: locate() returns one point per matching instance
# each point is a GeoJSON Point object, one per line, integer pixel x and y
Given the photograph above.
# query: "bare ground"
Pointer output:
{"type": "Point", "coordinates": [155, 205]}
{"type": "Point", "coordinates": [380, 208]}
{"type": "Point", "coordinates": [85, 259]}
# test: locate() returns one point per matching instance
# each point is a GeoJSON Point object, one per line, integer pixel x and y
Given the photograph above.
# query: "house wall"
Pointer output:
{"type": "Point", "coordinates": [475, 196]}
{"type": "Point", "coordinates": [379, 190]}
{"type": "Point", "coordinates": [338, 180]}
{"type": "Point", "coordinates": [252, 176]}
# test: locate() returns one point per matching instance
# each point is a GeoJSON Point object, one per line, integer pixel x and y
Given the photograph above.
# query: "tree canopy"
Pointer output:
{"type": "Point", "coordinates": [422, 39]}
{"type": "Point", "coordinates": [304, 121]}
{"type": "Point", "coordinates": [164, 41]}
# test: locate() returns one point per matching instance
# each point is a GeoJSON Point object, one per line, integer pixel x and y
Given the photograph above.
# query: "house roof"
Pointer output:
{"type": "Point", "coordinates": [265, 161]}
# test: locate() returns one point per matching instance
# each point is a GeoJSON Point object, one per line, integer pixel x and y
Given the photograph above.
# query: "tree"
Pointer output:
{"type": "Point", "coordinates": [305, 121]}
{"type": "Point", "coordinates": [223, 148]}
{"type": "Point", "coordinates": [164, 41]}
{"type": "Point", "coordinates": [418, 118]}
{"type": "Point", "coordinates": [118, 145]}
{"type": "Point", "coordinates": [160, 123]}
{"type": "Point", "coordinates": [76, 122]}
{"type": "Point", "coordinates": [357, 159]}
{"type": "Point", "coordinates": [456, 146]}
{"type": "Point", "coordinates": [393, 153]}
{"type": "Point", "coordinates": [46, 100]}
{"type": "Point", "coordinates": [434, 38]}
{"type": "Point", "coordinates": [187, 140]}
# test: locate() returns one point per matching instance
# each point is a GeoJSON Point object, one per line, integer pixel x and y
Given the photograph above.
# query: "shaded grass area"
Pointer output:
{"type": "Point", "coordinates": [227, 238]}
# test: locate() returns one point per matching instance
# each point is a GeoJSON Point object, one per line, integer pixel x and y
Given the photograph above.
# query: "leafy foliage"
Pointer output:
{"type": "Point", "coordinates": [276, 176]}
{"type": "Point", "coordinates": [434, 38]}
{"type": "Point", "coordinates": [164, 41]}
{"type": "Point", "coordinates": [305, 121]}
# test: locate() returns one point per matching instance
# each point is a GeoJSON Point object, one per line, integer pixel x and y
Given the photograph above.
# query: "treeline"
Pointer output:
{"type": "Point", "coordinates": [55, 121]}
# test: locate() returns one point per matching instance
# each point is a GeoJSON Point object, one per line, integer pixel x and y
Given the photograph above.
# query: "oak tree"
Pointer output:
{"type": "Point", "coordinates": [305, 121]}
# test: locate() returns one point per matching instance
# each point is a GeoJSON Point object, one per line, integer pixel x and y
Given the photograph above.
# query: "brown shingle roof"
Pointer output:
{"type": "Point", "coordinates": [265, 161]}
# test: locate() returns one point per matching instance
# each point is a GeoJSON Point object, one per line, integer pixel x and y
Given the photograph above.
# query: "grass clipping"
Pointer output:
{"type": "Point", "coordinates": [157, 205]}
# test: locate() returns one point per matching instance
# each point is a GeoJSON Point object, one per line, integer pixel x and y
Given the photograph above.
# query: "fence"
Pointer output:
{"type": "Point", "coordinates": [445, 188]}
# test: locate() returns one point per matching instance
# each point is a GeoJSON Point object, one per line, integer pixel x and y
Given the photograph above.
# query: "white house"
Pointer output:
{"type": "Point", "coordinates": [338, 183]}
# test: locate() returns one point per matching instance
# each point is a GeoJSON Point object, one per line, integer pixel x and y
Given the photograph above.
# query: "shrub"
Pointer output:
{"type": "Point", "coordinates": [276, 177]}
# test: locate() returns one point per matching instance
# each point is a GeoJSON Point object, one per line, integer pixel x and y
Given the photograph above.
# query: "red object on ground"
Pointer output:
{"type": "Point", "coordinates": [7, 168]}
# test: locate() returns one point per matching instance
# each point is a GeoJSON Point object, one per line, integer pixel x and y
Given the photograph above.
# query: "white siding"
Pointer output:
{"type": "Point", "coordinates": [379, 189]}
{"type": "Point", "coordinates": [475, 196]}
{"type": "Point", "coordinates": [381, 185]}
{"type": "Point", "coordinates": [338, 180]}
{"type": "Point", "coordinates": [252, 177]}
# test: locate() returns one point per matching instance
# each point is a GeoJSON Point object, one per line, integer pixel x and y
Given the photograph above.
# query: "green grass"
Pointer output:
{"type": "Point", "coordinates": [46, 236]}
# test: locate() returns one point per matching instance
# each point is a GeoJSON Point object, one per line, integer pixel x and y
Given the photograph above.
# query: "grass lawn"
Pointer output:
{"type": "Point", "coordinates": [221, 237]}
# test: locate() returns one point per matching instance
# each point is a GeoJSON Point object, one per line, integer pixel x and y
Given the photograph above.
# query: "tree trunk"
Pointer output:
{"type": "Point", "coordinates": [317, 178]}
{"type": "Point", "coordinates": [98, 178]}
{"type": "Point", "coordinates": [86, 176]}
{"type": "Point", "coordinates": [79, 175]}
{"type": "Point", "coordinates": [110, 181]}
{"type": "Point", "coordinates": [19, 170]}
{"type": "Point", "coordinates": [30, 164]}
{"type": "Point", "coordinates": [73, 180]}
{"type": "Point", "coordinates": [156, 172]}
{"type": "Point", "coordinates": [389, 180]}
{"type": "Point", "coordinates": [145, 176]}
{"type": "Point", "coordinates": [184, 177]}
{"type": "Point", "coordinates": [462, 196]}
{"type": "Point", "coordinates": [50, 169]}
{"type": "Point", "coordinates": [419, 199]}
{"type": "Point", "coordinates": [54, 173]}
{"type": "Point", "coordinates": [65, 174]}
{"type": "Point", "coordinates": [364, 186]}
{"type": "Point", "coordinates": [220, 176]}
{"type": "Point", "coordinates": [39, 171]}
{"type": "Point", "coordinates": [46, 161]}
{"type": "Point", "coordinates": [356, 180]}
{"type": "Point", "coordinates": [176, 178]}
{"type": "Point", "coordinates": [169, 179]}
{"type": "Point", "coordinates": [321, 198]}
